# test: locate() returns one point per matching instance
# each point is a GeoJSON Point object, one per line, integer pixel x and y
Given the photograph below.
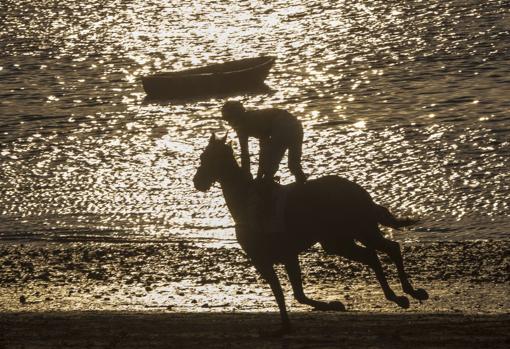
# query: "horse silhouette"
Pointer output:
{"type": "Point", "coordinates": [332, 211]}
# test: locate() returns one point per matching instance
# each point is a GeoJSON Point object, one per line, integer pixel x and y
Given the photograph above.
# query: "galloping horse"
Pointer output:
{"type": "Point", "coordinates": [330, 210]}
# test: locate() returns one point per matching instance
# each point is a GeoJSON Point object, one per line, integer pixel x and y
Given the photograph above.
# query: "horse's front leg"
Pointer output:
{"type": "Point", "coordinates": [294, 272]}
{"type": "Point", "coordinates": [268, 273]}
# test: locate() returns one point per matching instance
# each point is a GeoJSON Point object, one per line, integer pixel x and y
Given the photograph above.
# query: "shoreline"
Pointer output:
{"type": "Point", "coordinates": [241, 330]}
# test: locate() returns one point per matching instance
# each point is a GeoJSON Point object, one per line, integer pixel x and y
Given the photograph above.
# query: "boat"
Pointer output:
{"type": "Point", "coordinates": [215, 79]}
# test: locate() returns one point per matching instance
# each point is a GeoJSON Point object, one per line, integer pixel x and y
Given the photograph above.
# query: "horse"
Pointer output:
{"type": "Point", "coordinates": [333, 211]}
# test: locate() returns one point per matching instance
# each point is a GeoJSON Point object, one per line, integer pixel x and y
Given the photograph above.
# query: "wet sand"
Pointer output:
{"type": "Point", "coordinates": [184, 276]}
{"type": "Point", "coordinates": [184, 294]}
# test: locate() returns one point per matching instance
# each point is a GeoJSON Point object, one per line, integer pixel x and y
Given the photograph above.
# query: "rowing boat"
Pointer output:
{"type": "Point", "coordinates": [214, 79]}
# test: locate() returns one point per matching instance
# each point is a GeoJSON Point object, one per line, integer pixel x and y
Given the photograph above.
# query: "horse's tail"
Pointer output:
{"type": "Point", "coordinates": [385, 217]}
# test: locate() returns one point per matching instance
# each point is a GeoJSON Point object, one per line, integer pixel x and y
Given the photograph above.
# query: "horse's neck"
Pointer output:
{"type": "Point", "coordinates": [238, 192]}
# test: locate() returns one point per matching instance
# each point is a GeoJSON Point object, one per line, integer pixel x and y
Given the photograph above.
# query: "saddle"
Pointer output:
{"type": "Point", "coordinates": [271, 204]}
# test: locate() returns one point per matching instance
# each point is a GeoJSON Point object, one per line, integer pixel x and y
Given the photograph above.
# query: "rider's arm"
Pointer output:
{"type": "Point", "coordinates": [245, 153]}
{"type": "Point", "coordinates": [262, 157]}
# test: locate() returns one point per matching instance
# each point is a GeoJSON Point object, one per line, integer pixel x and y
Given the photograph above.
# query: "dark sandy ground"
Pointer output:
{"type": "Point", "coordinates": [183, 294]}
{"type": "Point", "coordinates": [216, 330]}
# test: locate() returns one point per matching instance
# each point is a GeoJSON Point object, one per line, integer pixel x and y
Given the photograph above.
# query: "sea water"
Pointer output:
{"type": "Point", "coordinates": [410, 99]}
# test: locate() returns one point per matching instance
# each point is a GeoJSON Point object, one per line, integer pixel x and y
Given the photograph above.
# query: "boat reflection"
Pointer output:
{"type": "Point", "coordinates": [262, 89]}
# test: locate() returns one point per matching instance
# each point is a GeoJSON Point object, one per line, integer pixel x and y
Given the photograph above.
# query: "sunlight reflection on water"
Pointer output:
{"type": "Point", "coordinates": [409, 100]}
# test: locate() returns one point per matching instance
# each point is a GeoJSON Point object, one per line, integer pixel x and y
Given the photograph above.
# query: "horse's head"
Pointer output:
{"type": "Point", "coordinates": [214, 160]}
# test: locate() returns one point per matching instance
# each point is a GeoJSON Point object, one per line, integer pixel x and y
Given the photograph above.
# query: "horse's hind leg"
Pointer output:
{"type": "Point", "coordinates": [365, 255]}
{"type": "Point", "coordinates": [294, 272]}
{"type": "Point", "coordinates": [392, 249]}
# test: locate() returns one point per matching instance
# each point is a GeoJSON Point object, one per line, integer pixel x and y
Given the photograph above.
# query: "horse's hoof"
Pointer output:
{"type": "Point", "coordinates": [329, 306]}
{"type": "Point", "coordinates": [336, 306]}
{"type": "Point", "coordinates": [322, 306]}
{"type": "Point", "coordinates": [402, 301]}
{"type": "Point", "coordinates": [421, 295]}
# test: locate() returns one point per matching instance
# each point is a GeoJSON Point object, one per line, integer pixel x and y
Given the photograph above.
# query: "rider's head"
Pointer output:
{"type": "Point", "coordinates": [232, 110]}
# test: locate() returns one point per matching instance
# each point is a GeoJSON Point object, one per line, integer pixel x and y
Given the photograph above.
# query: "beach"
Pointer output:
{"type": "Point", "coordinates": [185, 294]}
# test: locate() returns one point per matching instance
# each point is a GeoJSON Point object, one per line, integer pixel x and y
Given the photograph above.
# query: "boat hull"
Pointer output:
{"type": "Point", "coordinates": [215, 79]}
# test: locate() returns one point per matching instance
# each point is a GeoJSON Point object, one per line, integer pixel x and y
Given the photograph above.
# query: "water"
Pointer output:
{"type": "Point", "coordinates": [411, 100]}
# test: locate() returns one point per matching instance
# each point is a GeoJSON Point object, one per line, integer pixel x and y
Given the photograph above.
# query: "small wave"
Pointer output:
{"type": "Point", "coordinates": [434, 229]}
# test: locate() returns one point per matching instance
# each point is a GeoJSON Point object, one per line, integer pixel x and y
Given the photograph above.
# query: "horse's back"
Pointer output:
{"type": "Point", "coordinates": [325, 204]}
{"type": "Point", "coordinates": [329, 192]}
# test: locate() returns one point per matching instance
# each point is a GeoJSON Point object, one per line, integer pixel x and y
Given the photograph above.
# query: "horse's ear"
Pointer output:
{"type": "Point", "coordinates": [213, 137]}
{"type": "Point", "coordinates": [224, 139]}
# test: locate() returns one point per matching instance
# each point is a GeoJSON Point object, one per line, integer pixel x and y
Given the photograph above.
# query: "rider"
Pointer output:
{"type": "Point", "coordinates": [277, 131]}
